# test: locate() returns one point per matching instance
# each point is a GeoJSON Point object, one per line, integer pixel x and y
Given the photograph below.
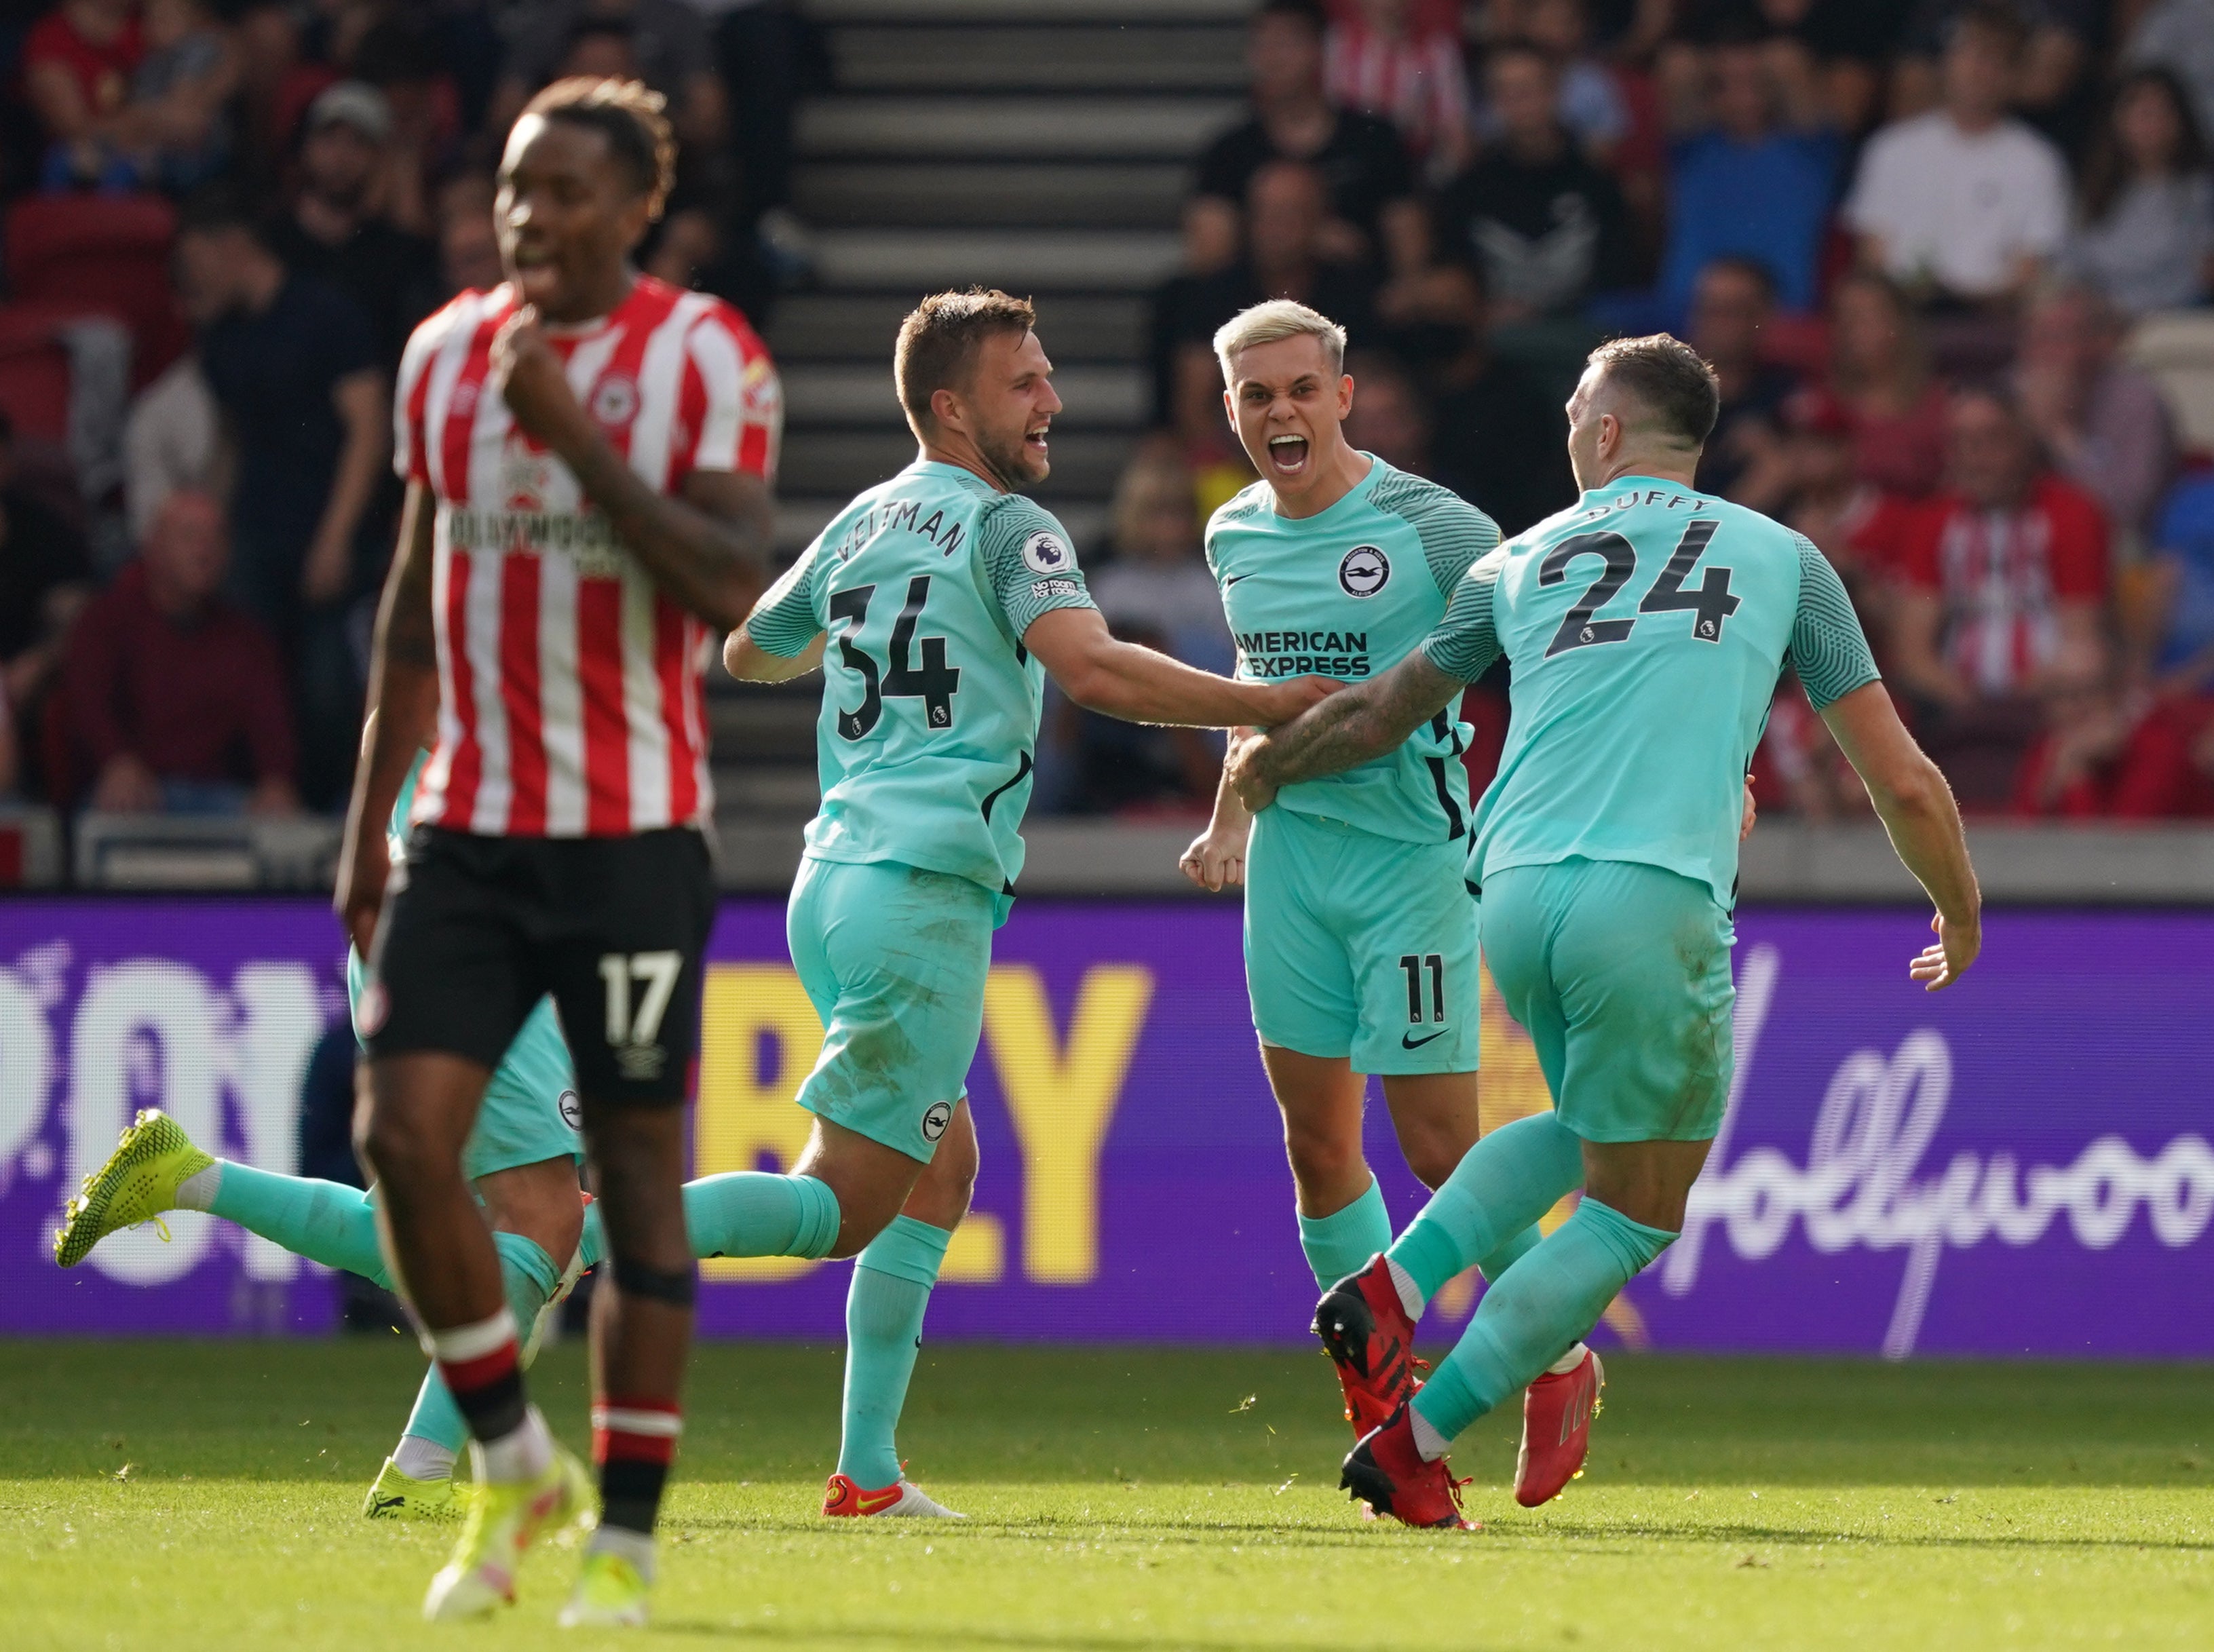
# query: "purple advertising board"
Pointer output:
{"type": "Point", "coordinates": [2019, 1167]}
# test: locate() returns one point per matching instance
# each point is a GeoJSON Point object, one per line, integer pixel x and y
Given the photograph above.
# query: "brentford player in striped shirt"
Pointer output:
{"type": "Point", "coordinates": [588, 454]}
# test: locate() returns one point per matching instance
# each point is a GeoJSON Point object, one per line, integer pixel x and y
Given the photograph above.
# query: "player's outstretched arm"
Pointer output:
{"type": "Point", "coordinates": [748, 661]}
{"type": "Point", "coordinates": [708, 551]}
{"type": "Point", "coordinates": [1121, 679]}
{"type": "Point", "coordinates": [402, 714]}
{"type": "Point", "coordinates": [1348, 729]}
{"type": "Point", "coordinates": [1916, 806]}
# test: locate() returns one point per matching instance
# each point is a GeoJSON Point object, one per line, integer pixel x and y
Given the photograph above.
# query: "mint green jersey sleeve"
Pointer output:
{"type": "Point", "coordinates": [1455, 535]}
{"type": "Point", "coordinates": [784, 621]}
{"type": "Point", "coordinates": [1466, 640]}
{"type": "Point", "coordinates": [1828, 648]}
{"type": "Point", "coordinates": [1029, 561]}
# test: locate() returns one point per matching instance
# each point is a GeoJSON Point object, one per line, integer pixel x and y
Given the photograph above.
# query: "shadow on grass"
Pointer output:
{"type": "Point", "coordinates": [908, 1633]}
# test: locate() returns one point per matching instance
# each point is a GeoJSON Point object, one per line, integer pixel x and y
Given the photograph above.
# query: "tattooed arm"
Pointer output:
{"type": "Point", "coordinates": [403, 712]}
{"type": "Point", "coordinates": [1351, 727]}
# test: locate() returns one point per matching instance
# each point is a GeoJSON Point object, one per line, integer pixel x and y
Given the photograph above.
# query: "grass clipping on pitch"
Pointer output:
{"type": "Point", "coordinates": [190, 1494]}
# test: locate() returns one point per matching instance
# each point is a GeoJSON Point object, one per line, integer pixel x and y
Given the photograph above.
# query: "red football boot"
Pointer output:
{"type": "Point", "coordinates": [1386, 1472]}
{"type": "Point", "coordinates": [1371, 1342]}
{"type": "Point", "coordinates": [1557, 1419]}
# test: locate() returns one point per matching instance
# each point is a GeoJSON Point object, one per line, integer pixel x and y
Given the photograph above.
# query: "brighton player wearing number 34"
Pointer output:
{"type": "Point", "coordinates": [936, 604]}
{"type": "Point", "coordinates": [1646, 627]}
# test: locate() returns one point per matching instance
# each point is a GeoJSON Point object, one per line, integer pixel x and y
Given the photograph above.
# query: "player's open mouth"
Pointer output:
{"type": "Point", "coordinates": [1287, 455]}
{"type": "Point", "coordinates": [1035, 439]}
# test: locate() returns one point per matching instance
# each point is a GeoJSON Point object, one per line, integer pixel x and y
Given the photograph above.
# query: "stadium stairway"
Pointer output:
{"type": "Point", "coordinates": [1040, 148]}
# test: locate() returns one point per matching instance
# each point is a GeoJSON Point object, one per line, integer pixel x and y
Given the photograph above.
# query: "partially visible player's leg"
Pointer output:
{"type": "Point", "coordinates": [1632, 988]}
{"type": "Point", "coordinates": [1341, 1215]}
{"type": "Point", "coordinates": [892, 1281]}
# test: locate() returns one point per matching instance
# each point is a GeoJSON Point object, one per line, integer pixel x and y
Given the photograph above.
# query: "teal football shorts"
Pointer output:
{"type": "Point", "coordinates": [530, 1110]}
{"type": "Point", "coordinates": [1361, 945]}
{"type": "Point", "coordinates": [895, 959]}
{"type": "Point", "coordinates": [1621, 974]}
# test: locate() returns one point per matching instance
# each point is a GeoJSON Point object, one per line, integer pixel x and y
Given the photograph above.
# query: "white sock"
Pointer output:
{"type": "Point", "coordinates": [636, 1547]}
{"type": "Point", "coordinates": [197, 1190]}
{"type": "Point", "coordinates": [1568, 1362]}
{"type": "Point", "coordinates": [1402, 1282]}
{"type": "Point", "coordinates": [1428, 1440]}
{"type": "Point", "coordinates": [422, 1459]}
{"type": "Point", "coordinates": [524, 1454]}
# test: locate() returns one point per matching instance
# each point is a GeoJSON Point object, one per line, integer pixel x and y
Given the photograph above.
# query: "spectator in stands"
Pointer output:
{"type": "Point", "coordinates": [2179, 35]}
{"type": "Point", "coordinates": [2103, 423]}
{"type": "Point", "coordinates": [1964, 204]}
{"type": "Point", "coordinates": [1751, 169]}
{"type": "Point", "coordinates": [1389, 417]}
{"type": "Point", "coordinates": [1851, 42]}
{"type": "Point", "coordinates": [1380, 61]}
{"type": "Point", "coordinates": [670, 39]}
{"type": "Point", "coordinates": [2006, 579]}
{"type": "Point", "coordinates": [2050, 83]}
{"type": "Point", "coordinates": [402, 59]}
{"type": "Point", "coordinates": [1287, 256]}
{"type": "Point", "coordinates": [2173, 626]}
{"type": "Point", "coordinates": [1497, 439]}
{"type": "Point", "coordinates": [173, 440]}
{"type": "Point", "coordinates": [78, 61]}
{"type": "Point", "coordinates": [1373, 215]}
{"type": "Point", "coordinates": [336, 232]}
{"type": "Point", "coordinates": [468, 241]}
{"type": "Point", "coordinates": [175, 698]}
{"type": "Point", "coordinates": [1882, 384]}
{"type": "Point", "coordinates": [1731, 305]}
{"type": "Point", "coordinates": [1860, 528]}
{"type": "Point", "coordinates": [2145, 223]}
{"type": "Point", "coordinates": [292, 364]}
{"type": "Point", "coordinates": [178, 118]}
{"type": "Point", "coordinates": [1547, 228]}
{"type": "Point", "coordinates": [278, 79]}
{"type": "Point", "coordinates": [1156, 589]}
{"type": "Point", "coordinates": [1591, 105]}
{"type": "Point", "coordinates": [769, 55]}
{"type": "Point", "coordinates": [46, 577]}
{"type": "Point", "coordinates": [1156, 581]}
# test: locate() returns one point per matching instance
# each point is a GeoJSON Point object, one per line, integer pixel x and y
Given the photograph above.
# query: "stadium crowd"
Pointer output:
{"type": "Point", "coordinates": [1913, 236]}
{"type": "Point", "coordinates": [1918, 239]}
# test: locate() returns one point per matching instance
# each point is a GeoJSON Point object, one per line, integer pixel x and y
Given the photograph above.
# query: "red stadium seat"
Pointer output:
{"type": "Point", "coordinates": [35, 369]}
{"type": "Point", "coordinates": [107, 253]}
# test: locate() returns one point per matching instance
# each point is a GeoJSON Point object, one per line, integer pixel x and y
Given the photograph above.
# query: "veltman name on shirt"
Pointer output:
{"type": "Point", "coordinates": [1264, 654]}
{"type": "Point", "coordinates": [888, 514]}
{"type": "Point", "coordinates": [586, 536]}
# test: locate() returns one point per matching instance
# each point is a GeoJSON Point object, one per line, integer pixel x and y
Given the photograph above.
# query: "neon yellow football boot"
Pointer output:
{"type": "Point", "coordinates": [503, 1520]}
{"type": "Point", "coordinates": [610, 1593]}
{"type": "Point", "coordinates": [401, 1496]}
{"type": "Point", "coordinates": [137, 1184]}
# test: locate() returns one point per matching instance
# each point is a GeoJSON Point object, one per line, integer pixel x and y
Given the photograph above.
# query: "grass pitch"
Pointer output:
{"type": "Point", "coordinates": [181, 1495]}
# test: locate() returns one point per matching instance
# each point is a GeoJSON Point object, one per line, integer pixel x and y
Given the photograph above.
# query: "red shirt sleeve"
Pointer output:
{"type": "Point", "coordinates": [2078, 542]}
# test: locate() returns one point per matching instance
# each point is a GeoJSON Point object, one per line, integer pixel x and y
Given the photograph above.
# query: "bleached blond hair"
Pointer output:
{"type": "Point", "coordinates": [1278, 318]}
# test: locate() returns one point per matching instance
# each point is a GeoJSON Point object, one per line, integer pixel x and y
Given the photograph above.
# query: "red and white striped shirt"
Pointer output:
{"type": "Point", "coordinates": [1414, 81]}
{"type": "Point", "coordinates": [572, 700]}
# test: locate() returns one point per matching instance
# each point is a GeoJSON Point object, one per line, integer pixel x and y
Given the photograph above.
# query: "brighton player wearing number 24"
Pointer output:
{"type": "Point", "coordinates": [1646, 627]}
{"type": "Point", "coordinates": [936, 604]}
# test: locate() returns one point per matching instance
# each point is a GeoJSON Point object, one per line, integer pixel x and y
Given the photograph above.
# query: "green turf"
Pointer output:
{"type": "Point", "coordinates": [165, 1495]}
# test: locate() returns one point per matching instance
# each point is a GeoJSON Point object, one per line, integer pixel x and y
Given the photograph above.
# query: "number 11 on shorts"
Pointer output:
{"type": "Point", "coordinates": [1417, 964]}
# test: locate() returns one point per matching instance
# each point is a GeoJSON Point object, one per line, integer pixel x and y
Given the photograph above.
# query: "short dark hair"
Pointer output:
{"type": "Point", "coordinates": [1755, 270]}
{"type": "Point", "coordinates": [1667, 377]}
{"type": "Point", "coordinates": [1310, 12]}
{"type": "Point", "coordinates": [937, 341]}
{"type": "Point", "coordinates": [629, 117]}
{"type": "Point", "coordinates": [1995, 19]}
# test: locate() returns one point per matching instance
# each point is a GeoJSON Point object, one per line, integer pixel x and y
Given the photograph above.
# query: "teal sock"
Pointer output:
{"type": "Point", "coordinates": [1508, 1254]}
{"type": "Point", "coordinates": [1538, 1312]}
{"type": "Point", "coordinates": [884, 1332]}
{"type": "Point", "coordinates": [751, 1213]}
{"type": "Point", "coordinates": [1499, 1188]}
{"type": "Point", "coordinates": [1342, 1242]}
{"type": "Point", "coordinates": [530, 1276]}
{"type": "Point", "coordinates": [324, 1221]}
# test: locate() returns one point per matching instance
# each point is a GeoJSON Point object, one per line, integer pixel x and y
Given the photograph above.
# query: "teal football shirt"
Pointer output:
{"type": "Point", "coordinates": [1350, 593]}
{"type": "Point", "coordinates": [930, 702]}
{"type": "Point", "coordinates": [1646, 629]}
